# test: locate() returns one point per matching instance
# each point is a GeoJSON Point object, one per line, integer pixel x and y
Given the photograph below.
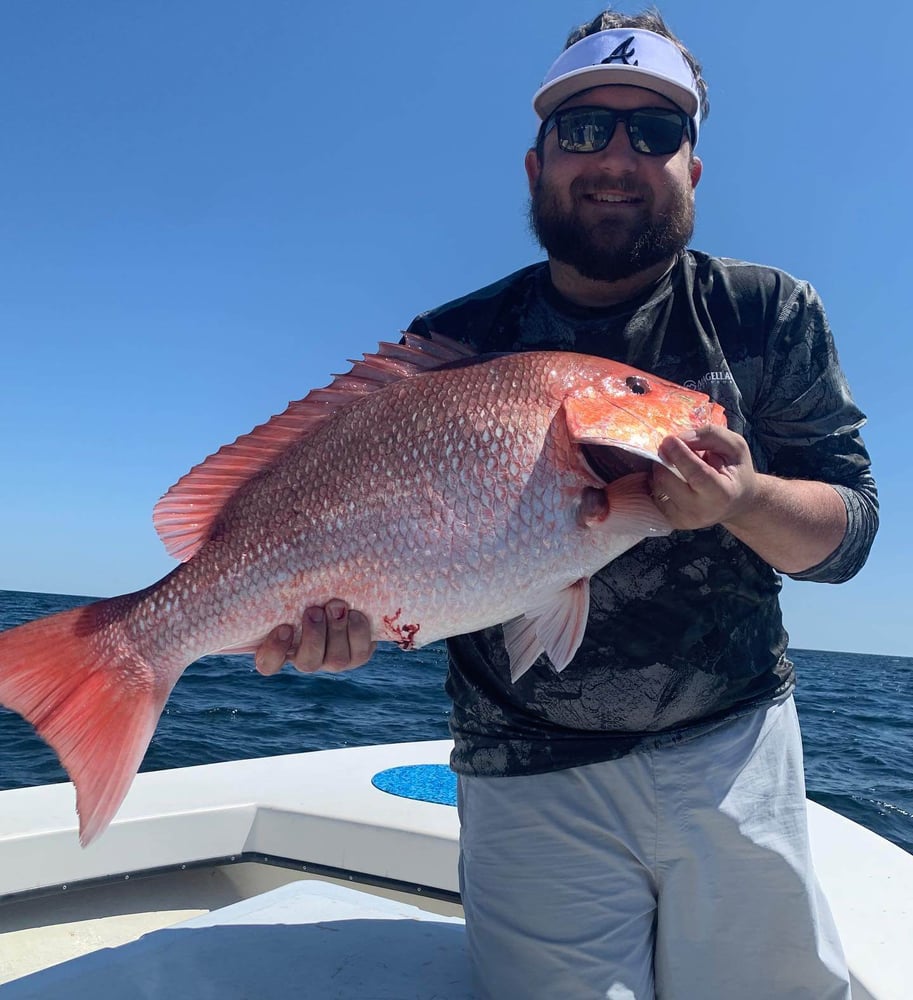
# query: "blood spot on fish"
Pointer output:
{"type": "Point", "coordinates": [402, 635]}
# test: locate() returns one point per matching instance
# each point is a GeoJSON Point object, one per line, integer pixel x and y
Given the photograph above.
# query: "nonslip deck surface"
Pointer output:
{"type": "Point", "coordinates": [306, 939]}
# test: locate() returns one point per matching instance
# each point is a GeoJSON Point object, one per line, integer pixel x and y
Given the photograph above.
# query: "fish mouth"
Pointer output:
{"type": "Point", "coordinates": [611, 462]}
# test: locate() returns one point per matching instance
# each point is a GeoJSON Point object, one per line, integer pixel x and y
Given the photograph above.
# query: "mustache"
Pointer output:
{"type": "Point", "coordinates": [582, 186]}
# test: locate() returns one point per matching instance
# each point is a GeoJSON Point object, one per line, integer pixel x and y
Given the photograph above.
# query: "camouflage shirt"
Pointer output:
{"type": "Point", "coordinates": [684, 630]}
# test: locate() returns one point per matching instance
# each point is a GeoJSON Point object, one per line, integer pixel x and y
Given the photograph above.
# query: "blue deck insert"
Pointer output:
{"type": "Point", "coordinates": [425, 782]}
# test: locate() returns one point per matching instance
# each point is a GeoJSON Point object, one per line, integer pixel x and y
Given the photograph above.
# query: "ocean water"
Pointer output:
{"type": "Point", "coordinates": [856, 713]}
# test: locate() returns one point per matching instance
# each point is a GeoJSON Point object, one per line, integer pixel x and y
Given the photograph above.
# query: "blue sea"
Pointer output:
{"type": "Point", "coordinates": [856, 712]}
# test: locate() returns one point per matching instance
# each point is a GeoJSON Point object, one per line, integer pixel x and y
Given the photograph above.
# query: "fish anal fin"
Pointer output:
{"type": "Point", "coordinates": [555, 627]}
{"type": "Point", "coordinates": [93, 700]}
{"type": "Point", "coordinates": [186, 515]}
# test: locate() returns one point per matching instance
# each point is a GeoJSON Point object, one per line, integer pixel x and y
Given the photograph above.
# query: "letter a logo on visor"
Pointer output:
{"type": "Point", "coordinates": [623, 53]}
{"type": "Point", "coordinates": [628, 56]}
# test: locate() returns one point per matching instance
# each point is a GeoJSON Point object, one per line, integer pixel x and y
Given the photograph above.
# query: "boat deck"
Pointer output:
{"type": "Point", "coordinates": [251, 877]}
{"type": "Point", "coordinates": [308, 938]}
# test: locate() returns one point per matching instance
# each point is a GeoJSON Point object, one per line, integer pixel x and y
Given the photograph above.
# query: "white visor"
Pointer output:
{"type": "Point", "coordinates": [629, 56]}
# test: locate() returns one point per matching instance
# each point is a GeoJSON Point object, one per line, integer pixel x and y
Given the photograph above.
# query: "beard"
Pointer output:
{"type": "Point", "coordinates": [609, 249]}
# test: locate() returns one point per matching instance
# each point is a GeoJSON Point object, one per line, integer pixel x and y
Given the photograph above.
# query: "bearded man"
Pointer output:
{"type": "Point", "coordinates": [635, 826]}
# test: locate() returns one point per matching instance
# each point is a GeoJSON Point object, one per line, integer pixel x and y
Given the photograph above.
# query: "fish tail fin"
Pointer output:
{"type": "Point", "coordinates": [90, 695]}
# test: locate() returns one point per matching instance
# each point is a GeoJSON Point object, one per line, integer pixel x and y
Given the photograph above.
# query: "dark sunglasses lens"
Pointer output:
{"type": "Point", "coordinates": [656, 132]}
{"type": "Point", "coordinates": [585, 131]}
{"type": "Point", "coordinates": [653, 131]}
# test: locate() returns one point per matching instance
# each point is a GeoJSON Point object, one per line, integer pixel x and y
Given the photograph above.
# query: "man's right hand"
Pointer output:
{"type": "Point", "coordinates": [333, 638]}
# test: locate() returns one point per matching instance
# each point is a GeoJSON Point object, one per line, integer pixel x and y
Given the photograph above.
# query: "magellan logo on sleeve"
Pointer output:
{"type": "Point", "coordinates": [705, 380]}
{"type": "Point", "coordinates": [622, 53]}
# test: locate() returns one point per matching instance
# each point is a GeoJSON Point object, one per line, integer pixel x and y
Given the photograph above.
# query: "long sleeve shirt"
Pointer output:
{"type": "Point", "coordinates": [684, 631]}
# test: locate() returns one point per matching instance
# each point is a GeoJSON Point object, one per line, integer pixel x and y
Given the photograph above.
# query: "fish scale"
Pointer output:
{"type": "Point", "coordinates": [437, 492]}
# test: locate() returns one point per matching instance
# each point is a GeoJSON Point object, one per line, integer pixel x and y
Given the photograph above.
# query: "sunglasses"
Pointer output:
{"type": "Point", "coordinates": [652, 131]}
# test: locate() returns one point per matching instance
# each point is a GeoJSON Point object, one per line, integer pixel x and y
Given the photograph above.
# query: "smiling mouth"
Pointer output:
{"type": "Point", "coordinates": [605, 198]}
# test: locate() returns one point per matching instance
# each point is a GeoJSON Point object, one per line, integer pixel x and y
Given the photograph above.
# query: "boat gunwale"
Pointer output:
{"type": "Point", "coordinates": [312, 868]}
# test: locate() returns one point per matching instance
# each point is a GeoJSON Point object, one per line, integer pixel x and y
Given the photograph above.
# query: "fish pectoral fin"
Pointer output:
{"type": "Point", "coordinates": [555, 627]}
{"type": "Point", "coordinates": [632, 511]}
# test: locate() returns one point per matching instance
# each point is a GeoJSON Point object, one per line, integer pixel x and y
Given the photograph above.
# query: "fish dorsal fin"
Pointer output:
{"type": "Point", "coordinates": [185, 515]}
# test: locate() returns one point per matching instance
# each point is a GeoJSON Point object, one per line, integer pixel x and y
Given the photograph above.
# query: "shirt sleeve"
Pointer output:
{"type": "Point", "coordinates": [419, 326]}
{"type": "Point", "coordinates": [808, 427]}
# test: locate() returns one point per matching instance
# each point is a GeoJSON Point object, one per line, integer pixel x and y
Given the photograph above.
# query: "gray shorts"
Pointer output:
{"type": "Point", "coordinates": [679, 873]}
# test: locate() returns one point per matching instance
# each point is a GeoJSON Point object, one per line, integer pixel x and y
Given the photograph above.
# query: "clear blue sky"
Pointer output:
{"type": "Point", "coordinates": [206, 206]}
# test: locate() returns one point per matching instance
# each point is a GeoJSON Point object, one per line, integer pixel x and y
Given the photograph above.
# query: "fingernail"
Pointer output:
{"type": "Point", "coordinates": [339, 612]}
{"type": "Point", "coordinates": [315, 615]}
{"type": "Point", "coordinates": [284, 633]}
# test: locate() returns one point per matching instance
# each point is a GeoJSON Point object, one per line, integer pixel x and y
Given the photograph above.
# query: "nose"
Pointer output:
{"type": "Point", "coordinates": [619, 150]}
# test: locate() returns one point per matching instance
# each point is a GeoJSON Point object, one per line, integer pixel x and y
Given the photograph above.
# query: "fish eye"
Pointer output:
{"type": "Point", "coordinates": [639, 386]}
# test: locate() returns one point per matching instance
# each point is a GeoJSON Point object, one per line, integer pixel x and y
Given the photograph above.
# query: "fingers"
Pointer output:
{"type": "Point", "coordinates": [332, 638]}
{"type": "Point", "coordinates": [361, 646]}
{"type": "Point", "coordinates": [694, 468]}
{"type": "Point", "coordinates": [336, 654]}
{"type": "Point", "coordinates": [715, 477]}
{"type": "Point", "coordinates": [671, 489]}
{"type": "Point", "coordinates": [698, 454]}
{"type": "Point", "coordinates": [275, 649]}
{"type": "Point", "coordinates": [313, 643]}
{"type": "Point", "coordinates": [667, 489]}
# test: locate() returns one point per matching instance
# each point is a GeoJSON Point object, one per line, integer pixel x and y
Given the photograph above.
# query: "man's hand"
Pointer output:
{"type": "Point", "coordinates": [718, 484]}
{"type": "Point", "coordinates": [332, 638]}
{"type": "Point", "coordinates": [792, 524]}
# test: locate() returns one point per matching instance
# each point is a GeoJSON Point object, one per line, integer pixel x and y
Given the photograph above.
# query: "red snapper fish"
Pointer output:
{"type": "Point", "coordinates": [436, 491]}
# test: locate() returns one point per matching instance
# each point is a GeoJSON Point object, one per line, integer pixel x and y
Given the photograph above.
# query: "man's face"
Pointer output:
{"type": "Point", "coordinates": [616, 212]}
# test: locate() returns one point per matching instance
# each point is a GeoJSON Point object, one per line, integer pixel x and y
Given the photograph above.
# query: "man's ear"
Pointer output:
{"type": "Point", "coordinates": [533, 168]}
{"type": "Point", "coordinates": [697, 168]}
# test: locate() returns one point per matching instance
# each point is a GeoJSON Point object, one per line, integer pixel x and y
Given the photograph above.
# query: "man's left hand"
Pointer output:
{"type": "Point", "coordinates": [718, 485]}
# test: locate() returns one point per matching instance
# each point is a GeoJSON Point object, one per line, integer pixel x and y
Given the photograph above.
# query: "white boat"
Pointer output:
{"type": "Point", "coordinates": [297, 876]}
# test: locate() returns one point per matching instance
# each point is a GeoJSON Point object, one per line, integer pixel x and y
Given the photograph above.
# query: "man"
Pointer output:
{"type": "Point", "coordinates": [635, 826]}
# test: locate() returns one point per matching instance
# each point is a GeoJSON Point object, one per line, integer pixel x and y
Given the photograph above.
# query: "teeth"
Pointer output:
{"type": "Point", "coordinates": [611, 197]}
